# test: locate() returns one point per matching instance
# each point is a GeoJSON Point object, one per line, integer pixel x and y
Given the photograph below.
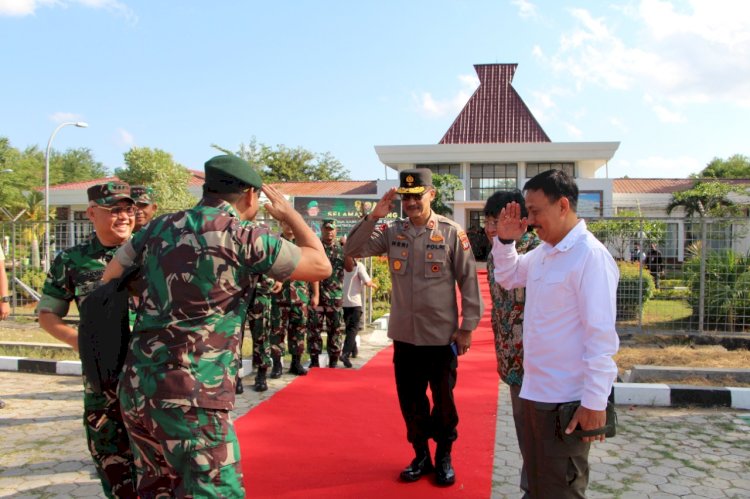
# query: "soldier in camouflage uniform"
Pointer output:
{"type": "Point", "coordinates": [197, 267]}
{"type": "Point", "coordinates": [326, 305]}
{"type": "Point", "coordinates": [259, 322]}
{"type": "Point", "coordinates": [145, 205]}
{"type": "Point", "coordinates": [74, 273]}
{"type": "Point", "coordinates": [289, 313]}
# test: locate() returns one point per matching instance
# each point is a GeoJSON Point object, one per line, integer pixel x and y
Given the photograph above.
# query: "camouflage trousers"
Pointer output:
{"type": "Point", "coordinates": [288, 318]}
{"type": "Point", "coordinates": [330, 320]}
{"type": "Point", "coordinates": [108, 442]}
{"type": "Point", "coordinates": [181, 450]}
{"type": "Point", "coordinates": [259, 323]}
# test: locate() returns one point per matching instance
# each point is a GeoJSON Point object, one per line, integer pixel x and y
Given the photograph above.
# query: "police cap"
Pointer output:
{"type": "Point", "coordinates": [414, 181]}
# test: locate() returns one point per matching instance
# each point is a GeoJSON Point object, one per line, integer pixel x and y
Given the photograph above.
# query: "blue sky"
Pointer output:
{"type": "Point", "coordinates": [669, 80]}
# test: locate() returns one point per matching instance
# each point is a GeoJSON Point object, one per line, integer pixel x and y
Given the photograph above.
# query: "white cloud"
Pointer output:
{"type": "Point", "coordinates": [438, 108]}
{"type": "Point", "coordinates": [29, 7]}
{"type": "Point", "coordinates": [573, 130]}
{"type": "Point", "coordinates": [61, 117]}
{"type": "Point", "coordinates": [124, 138]}
{"type": "Point", "coordinates": [667, 116]}
{"type": "Point", "coordinates": [694, 52]}
{"type": "Point", "coordinates": [526, 9]}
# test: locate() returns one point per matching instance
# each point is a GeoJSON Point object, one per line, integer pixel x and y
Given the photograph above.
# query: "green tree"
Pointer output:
{"type": "Point", "coordinates": [737, 166]}
{"type": "Point", "coordinates": [284, 164]}
{"type": "Point", "coordinates": [706, 199]}
{"type": "Point", "coordinates": [157, 168]}
{"type": "Point", "coordinates": [620, 233]}
{"type": "Point", "coordinates": [445, 190]}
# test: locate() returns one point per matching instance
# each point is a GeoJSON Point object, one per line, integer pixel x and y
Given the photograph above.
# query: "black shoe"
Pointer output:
{"type": "Point", "coordinates": [354, 353]}
{"type": "Point", "coordinates": [239, 389]}
{"type": "Point", "coordinates": [260, 381]}
{"type": "Point", "coordinates": [314, 362]}
{"type": "Point", "coordinates": [345, 360]}
{"type": "Point", "coordinates": [332, 362]}
{"type": "Point", "coordinates": [444, 473]}
{"type": "Point", "coordinates": [421, 465]}
{"type": "Point", "coordinates": [296, 367]}
{"type": "Point", "coordinates": [277, 369]}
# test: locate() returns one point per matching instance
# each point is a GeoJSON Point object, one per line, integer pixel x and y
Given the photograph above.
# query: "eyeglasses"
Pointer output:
{"type": "Point", "coordinates": [413, 197]}
{"type": "Point", "coordinates": [117, 210]}
{"type": "Point", "coordinates": [490, 222]}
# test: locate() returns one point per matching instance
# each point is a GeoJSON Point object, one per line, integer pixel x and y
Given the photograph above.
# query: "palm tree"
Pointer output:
{"type": "Point", "coordinates": [704, 198]}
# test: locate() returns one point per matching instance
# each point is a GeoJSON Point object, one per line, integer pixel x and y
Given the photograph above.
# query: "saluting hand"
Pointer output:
{"type": "Point", "coordinates": [385, 205]}
{"type": "Point", "coordinates": [279, 208]}
{"type": "Point", "coordinates": [510, 225]}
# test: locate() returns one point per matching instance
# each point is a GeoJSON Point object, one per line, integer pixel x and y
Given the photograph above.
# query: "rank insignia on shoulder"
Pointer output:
{"type": "Point", "coordinates": [383, 227]}
{"type": "Point", "coordinates": [464, 241]}
{"type": "Point", "coordinates": [431, 224]}
{"type": "Point", "coordinates": [406, 225]}
{"type": "Point", "coordinates": [437, 238]}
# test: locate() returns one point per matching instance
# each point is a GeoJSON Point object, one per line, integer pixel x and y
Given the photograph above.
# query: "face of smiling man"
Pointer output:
{"type": "Point", "coordinates": [113, 224]}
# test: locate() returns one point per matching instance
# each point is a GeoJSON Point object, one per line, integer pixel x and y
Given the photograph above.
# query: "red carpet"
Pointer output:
{"type": "Point", "coordinates": [338, 433]}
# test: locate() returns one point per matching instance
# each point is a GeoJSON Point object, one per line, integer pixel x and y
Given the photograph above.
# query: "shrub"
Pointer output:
{"type": "Point", "coordinates": [34, 278]}
{"type": "Point", "coordinates": [629, 289]}
{"type": "Point", "coordinates": [381, 275]}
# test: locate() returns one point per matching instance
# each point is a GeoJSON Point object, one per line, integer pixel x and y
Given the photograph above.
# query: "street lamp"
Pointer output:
{"type": "Point", "coordinates": [79, 124]}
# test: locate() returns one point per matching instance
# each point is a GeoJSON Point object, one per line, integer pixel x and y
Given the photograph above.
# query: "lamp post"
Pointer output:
{"type": "Point", "coordinates": [79, 124]}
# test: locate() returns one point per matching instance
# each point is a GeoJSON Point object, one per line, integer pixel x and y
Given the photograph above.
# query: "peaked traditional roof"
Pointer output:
{"type": "Point", "coordinates": [495, 113]}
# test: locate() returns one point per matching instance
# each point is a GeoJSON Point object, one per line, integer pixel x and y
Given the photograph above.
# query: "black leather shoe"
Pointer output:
{"type": "Point", "coordinates": [239, 389]}
{"type": "Point", "coordinates": [277, 369]}
{"type": "Point", "coordinates": [345, 360]}
{"type": "Point", "coordinates": [421, 465]}
{"type": "Point", "coordinates": [444, 473]}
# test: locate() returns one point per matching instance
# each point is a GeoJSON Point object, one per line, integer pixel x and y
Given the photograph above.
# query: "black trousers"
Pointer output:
{"type": "Point", "coordinates": [416, 368]}
{"type": "Point", "coordinates": [352, 316]}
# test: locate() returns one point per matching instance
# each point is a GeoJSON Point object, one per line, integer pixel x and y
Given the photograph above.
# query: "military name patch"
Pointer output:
{"type": "Point", "coordinates": [399, 244]}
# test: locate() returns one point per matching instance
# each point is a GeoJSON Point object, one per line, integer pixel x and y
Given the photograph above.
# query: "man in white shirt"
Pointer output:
{"type": "Point", "coordinates": [569, 334]}
{"type": "Point", "coordinates": [354, 281]}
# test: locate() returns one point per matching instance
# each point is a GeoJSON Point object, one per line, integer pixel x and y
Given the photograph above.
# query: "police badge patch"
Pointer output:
{"type": "Point", "coordinates": [464, 240]}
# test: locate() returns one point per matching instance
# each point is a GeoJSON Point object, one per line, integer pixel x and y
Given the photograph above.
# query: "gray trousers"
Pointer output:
{"type": "Point", "coordinates": [554, 469]}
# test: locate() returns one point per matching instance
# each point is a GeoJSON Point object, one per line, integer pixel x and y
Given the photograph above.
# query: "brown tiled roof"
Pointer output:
{"type": "Point", "coordinates": [495, 113]}
{"type": "Point", "coordinates": [196, 178]}
{"type": "Point", "coordinates": [331, 188]}
{"type": "Point", "coordinates": [662, 185]}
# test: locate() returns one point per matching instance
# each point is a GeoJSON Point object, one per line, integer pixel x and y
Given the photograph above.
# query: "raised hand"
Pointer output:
{"type": "Point", "coordinates": [278, 207]}
{"type": "Point", "coordinates": [384, 206]}
{"type": "Point", "coordinates": [510, 225]}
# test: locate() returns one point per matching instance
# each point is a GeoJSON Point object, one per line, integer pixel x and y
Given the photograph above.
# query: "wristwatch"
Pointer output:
{"type": "Point", "coordinates": [5, 299]}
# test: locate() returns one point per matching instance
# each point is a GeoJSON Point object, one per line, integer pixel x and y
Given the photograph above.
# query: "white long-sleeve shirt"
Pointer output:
{"type": "Point", "coordinates": [569, 334]}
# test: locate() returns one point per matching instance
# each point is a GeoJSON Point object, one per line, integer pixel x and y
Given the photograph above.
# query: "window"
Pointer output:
{"type": "Point", "coordinates": [534, 169]}
{"type": "Point", "coordinates": [445, 169]}
{"type": "Point", "coordinates": [486, 178]}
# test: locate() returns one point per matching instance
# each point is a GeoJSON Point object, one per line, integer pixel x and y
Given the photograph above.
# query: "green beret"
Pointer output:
{"type": "Point", "coordinates": [228, 173]}
{"type": "Point", "coordinates": [109, 193]}
{"type": "Point", "coordinates": [329, 223]}
{"type": "Point", "coordinates": [142, 194]}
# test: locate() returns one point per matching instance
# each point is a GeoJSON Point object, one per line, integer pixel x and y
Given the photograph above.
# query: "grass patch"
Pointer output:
{"type": "Point", "coordinates": [38, 353]}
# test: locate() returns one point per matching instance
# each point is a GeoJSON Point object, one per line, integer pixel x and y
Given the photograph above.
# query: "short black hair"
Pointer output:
{"type": "Point", "coordinates": [499, 199]}
{"type": "Point", "coordinates": [555, 184]}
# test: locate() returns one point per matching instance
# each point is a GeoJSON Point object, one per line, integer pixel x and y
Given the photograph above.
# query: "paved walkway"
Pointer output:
{"type": "Point", "coordinates": [658, 453]}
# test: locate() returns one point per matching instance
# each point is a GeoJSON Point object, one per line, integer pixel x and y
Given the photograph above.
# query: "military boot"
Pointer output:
{"type": "Point", "coordinates": [420, 465]}
{"type": "Point", "coordinates": [333, 361]}
{"type": "Point", "coordinates": [239, 389]}
{"type": "Point", "coordinates": [314, 362]}
{"type": "Point", "coordinates": [296, 367]}
{"type": "Point", "coordinates": [277, 369]}
{"type": "Point", "coordinates": [260, 380]}
{"type": "Point", "coordinates": [444, 473]}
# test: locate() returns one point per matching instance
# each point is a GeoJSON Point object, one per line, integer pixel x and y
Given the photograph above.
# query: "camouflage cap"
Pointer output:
{"type": "Point", "coordinates": [228, 173]}
{"type": "Point", "coordinates": [329, 223]}
{"type": "Point", "coordinates": [142, 194]}
{"type": "Point", "coordinates": [109, 193]}
{"type": "Point", "coordinates": [414, 181]}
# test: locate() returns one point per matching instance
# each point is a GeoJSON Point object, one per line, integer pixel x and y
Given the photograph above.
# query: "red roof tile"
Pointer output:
{"type": "Point", "coordinates": [495, 113]}
{"type": "Point", "coordinates": [197, 178]}
{"type": "Point", "coordinates": [661, 185]}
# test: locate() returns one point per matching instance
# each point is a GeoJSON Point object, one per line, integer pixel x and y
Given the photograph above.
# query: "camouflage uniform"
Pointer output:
{"type": "Point", "coordinates": [178, 382]}
{"type": "Point", "coordinates": [259, 322]}
{"type": "Point", "coordinates": [73, 275]}
{"type": "Point", "coordinates": [290, 314]}
{"type": "Point", "coordinates": [329, 314]}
